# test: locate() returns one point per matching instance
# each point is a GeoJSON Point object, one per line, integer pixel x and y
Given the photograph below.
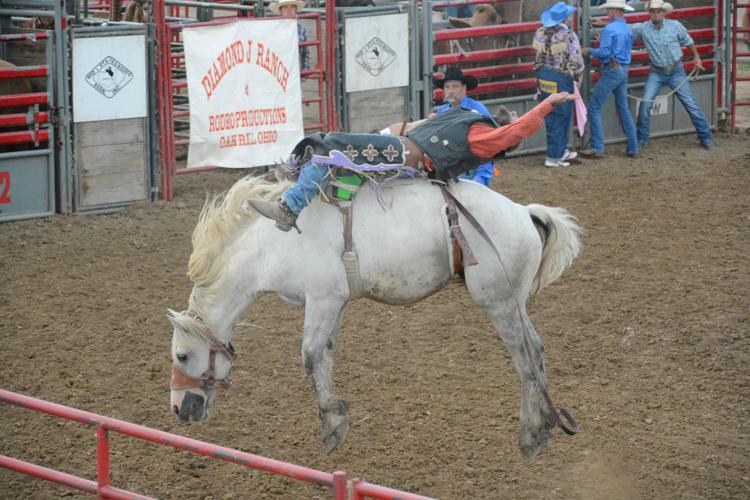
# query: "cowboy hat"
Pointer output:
{"type": "Point", "coordinates": [485, 14]}
{"type": "Point", "coordinates": [555, 14]}
{"type": "Point", "coordinates": [276, 6]}
{"type": "Point", "coordinates": [659, 4]}
{"type": "Point", "coordinates": [454, 73]}
{"type": "Point", "coordinates": [616, 4]}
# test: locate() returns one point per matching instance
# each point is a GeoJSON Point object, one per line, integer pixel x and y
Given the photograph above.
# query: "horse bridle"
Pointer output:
{"type": "Point", "coordinates": [207, 381]}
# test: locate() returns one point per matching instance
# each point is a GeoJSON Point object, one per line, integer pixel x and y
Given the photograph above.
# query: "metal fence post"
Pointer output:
{"type": "Point", "coordinates": [340, 485]}
{"type": "Point", "coordinates": [102, 458]}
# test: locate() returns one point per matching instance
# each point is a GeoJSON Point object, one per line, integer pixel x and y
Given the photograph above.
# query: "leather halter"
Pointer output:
{"type": "Point", "coordinates": [207, 381]}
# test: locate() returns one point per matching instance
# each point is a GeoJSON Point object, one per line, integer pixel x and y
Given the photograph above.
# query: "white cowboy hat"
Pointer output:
{"type": "Point", "coordinates": [276, 6]}
{"type": "Point", "coordinates": [616, 4]}
{"type": "Point", "coordinates": [659, 4]}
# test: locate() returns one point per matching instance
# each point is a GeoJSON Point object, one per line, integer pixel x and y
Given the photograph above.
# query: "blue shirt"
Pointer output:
{"type": "Point", "coordinates": [616, 42]}
{"type": "Point", "coordinates": [486, 171]}
{"type": "Point", "coordinates": [664, 45]}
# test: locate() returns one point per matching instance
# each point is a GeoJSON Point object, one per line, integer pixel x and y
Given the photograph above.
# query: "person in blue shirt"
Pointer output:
{"type": "Point", "coordinates": [664, 39]}
{"type": "Point", "coordinates": [614, 49]}
{"type": "Point", "coordinates": [455, 85]}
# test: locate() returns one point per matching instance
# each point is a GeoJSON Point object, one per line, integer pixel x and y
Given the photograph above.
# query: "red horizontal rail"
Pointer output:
{"type": "Point", "coordinates": [495, 29]}
{"type": "Point", "coordinates": [484, 55]}
{"type": "Point", "coordinates": [702, 34]}
{"type": "Point", "coordinates": [23, 99]}
{"type": "Point", "coordinates": [169, 439]}
{"type": "Point", "coordinates": [443, 5]}
{"type": "Point", "coordinates": [67, 479]}
{"type": "Point", "coordinates": [488, 88]}
{"type": "Point", "coordinates": [491, 71]}
{"type": "Point", "coordinates": [21, 72]}
{"type": "Point", "coordinates": [676, 14]}
{"type": "Point", "coordinates": [22, 119]}
{"type": "Point", "coordinates": [42, 35]}
{"type": "Point", "coordinates": [640, 56]}
{"type": "Point", "coordinates": [337, 481]}
{"type": "Point", "coordinates": [742, 103]}
{"type": "Point", "coordinates": [643, 71]}
{"type": "Point", "coordinates": [24, 137]}
{"type": "Point", "coordinates": [364, 489]}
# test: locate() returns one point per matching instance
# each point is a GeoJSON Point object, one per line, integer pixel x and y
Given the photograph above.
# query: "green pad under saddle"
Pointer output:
{"type": "Point", "coordinates": [351, 180]}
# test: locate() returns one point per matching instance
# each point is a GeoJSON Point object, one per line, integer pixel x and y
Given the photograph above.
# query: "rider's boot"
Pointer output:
{"type": "Point", "coordinates": [278, 211]}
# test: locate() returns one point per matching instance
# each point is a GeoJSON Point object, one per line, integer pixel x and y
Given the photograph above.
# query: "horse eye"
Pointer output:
{"type": "Point", "coordinates": [182, 358]}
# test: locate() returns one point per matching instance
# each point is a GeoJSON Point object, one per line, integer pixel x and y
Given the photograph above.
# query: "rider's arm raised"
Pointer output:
{"type": "Point", "coordinates": [486, 141]}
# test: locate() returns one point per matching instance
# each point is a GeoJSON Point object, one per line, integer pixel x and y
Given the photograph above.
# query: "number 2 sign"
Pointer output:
{"type": "Point", "coordinates": [4, 188]}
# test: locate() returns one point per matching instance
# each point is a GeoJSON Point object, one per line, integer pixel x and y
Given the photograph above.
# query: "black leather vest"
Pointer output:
{"type": "Point", "coordinates": [445, 139]}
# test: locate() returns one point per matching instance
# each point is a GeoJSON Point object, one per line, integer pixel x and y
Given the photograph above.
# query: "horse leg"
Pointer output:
{"type": "Point", "coordinates": [537, 420]}
{"type": "Point", "coordinates": [322, 322]}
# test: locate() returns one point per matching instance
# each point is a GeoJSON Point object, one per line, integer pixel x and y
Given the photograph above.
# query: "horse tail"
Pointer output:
{"type": "Point", "coordinates": [561, 242]}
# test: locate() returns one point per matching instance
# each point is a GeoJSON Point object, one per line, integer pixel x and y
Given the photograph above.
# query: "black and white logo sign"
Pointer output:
{"type": "Point", "coordinates": [109, 77]}
{"type": "Point", "coordinates": [375, 56]}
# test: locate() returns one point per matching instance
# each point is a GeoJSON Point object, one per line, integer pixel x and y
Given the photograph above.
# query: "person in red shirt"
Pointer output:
{"type": "Point", "coordinates": [446, 145]}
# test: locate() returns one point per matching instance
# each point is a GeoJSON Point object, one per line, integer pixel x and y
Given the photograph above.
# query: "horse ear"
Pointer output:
{"type": "Point", "coordinates": [176, 319]}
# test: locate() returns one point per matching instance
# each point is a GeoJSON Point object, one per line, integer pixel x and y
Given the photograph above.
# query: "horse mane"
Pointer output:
{"type": "Point", "coordinates": [219, 223]}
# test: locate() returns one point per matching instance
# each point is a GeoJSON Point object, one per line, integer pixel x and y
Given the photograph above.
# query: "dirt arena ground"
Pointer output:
{"type": "Point", "coordinates": [646, 342]}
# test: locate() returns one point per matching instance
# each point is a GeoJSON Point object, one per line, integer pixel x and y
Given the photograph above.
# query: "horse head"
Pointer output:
{"type": "Point", "coordinates": [484, 15]}
{"type": "Point", "coordinates": [200, 365]}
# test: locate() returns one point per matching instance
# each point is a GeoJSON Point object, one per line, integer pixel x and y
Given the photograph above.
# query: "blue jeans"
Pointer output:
{"type": "Point", "coordinates": [312, 178]}
{"type": "Point", "coordinates": [654, 83]}
{"type": "Point", "coordinates": [558, 122]}
{"type": "Point", "coordinates": [613, 81]}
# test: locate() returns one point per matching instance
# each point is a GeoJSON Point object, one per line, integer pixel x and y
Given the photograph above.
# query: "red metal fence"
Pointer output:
{"type": "Point", "coordinates": [736, 30]}
{"type": "Point", "coordinates": [35, 118]}
{"type": "Point", "coordinates": [522, 72]}
{"type": "Point", "coordinates": [338, 482]}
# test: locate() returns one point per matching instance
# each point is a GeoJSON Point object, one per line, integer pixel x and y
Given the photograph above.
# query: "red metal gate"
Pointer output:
{"type": "Point", "coordinates": [172, 83]}
{"type": "Point", "coordinates": [736, 30]}
{"type": "Point", "coordinates": [338, 482]}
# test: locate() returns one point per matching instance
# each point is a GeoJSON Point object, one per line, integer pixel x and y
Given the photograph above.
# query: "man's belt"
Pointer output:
{"type": "Point", "coordinates": [666, 69]}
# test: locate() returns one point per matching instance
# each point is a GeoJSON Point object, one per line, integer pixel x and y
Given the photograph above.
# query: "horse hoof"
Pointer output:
{"type": "Point", "coordinates": [532, 443]}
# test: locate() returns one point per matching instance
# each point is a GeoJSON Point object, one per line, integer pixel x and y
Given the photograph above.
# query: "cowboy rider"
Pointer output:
{"type": "Point", "coordinates": [447, 144]}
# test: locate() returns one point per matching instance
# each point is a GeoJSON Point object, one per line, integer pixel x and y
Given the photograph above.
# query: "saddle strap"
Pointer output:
{"type": "Point", "coordinates": [349, 257]}
{"type": "Point", "coordinates": [569, 425]}
{"type": "Point", "coordinates": [462, 254]}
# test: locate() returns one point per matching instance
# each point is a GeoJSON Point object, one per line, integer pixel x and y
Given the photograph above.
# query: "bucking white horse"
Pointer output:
{"type": "Point", "coordinates": [403, 245]}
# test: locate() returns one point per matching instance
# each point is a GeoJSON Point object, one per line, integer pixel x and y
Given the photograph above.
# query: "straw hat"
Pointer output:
{"type": "Point", "coordinates": [616, 4]}
{"type": "Point", "coordinates": [275, 7]}
{"type": "Point", "coordinates": [659, 4]}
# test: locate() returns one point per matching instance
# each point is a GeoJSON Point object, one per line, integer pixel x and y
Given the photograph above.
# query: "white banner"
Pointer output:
{"type": "Point", "coordinates": [244, 89]}
{"type": "Point", "coordinates": [109, 78]}
{"type": "Point", "coordinates": [377, 52]}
